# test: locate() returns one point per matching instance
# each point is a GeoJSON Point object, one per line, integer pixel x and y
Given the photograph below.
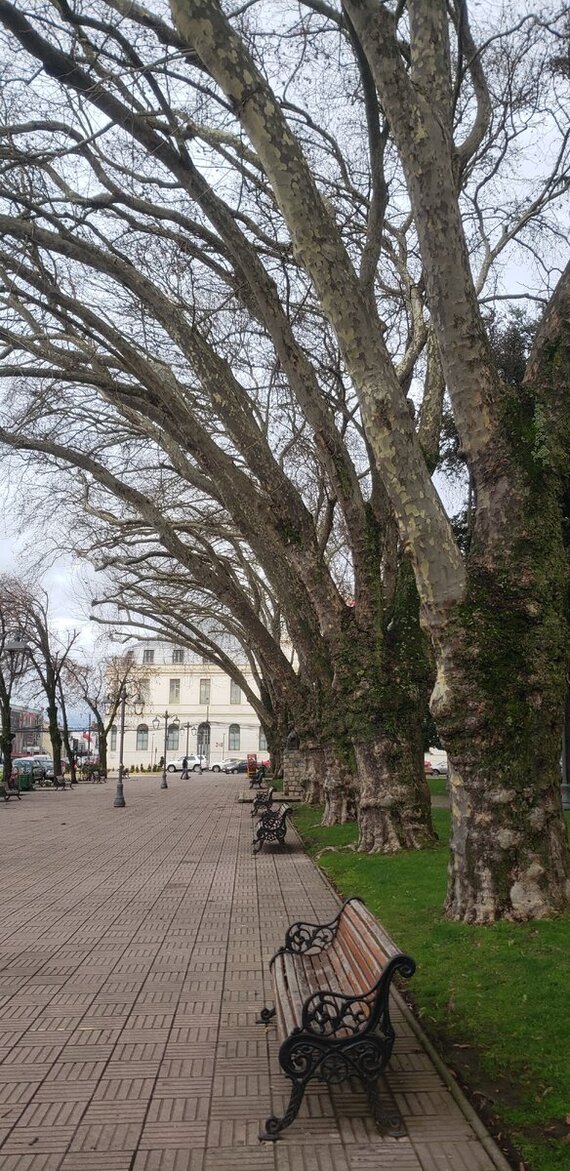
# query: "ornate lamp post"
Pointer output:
{"type": "Point", "coordinates": [190, 728]}
{"type": "Point", "coordinates": [119, 802]}
{"type": "Point", "coordinates": [174, 723]}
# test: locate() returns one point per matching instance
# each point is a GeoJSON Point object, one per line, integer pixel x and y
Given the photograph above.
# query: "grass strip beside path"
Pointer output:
{"type": "Point", "coordinates": [495, 1000]}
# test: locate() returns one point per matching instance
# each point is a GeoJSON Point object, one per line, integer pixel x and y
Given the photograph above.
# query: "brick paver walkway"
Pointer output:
{"type": "Point", "coordinates": [133, 961]}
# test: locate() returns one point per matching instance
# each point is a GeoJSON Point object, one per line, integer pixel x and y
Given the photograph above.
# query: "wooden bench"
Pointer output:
{"type": "Point", "coordinates": [331, 984]}
{"type": "Point", "coordinates": [271, 827]}
{"type": "Point", "coordinates": [257, 778]}
{"type": "Point", "coordinates": [10, 789]}
{"type": "Point", "coordinates": [262, 801]}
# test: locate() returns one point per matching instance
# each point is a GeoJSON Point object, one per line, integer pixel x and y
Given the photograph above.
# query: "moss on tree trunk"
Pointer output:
{"type": "Point", "coordinates": [394, 810]}
{"type": "Point", "coordinates": [339, 788]}
{"type": "Point", "coordinates": [503, 658]}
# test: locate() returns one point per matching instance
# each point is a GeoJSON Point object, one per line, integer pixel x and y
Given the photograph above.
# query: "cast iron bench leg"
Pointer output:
{"type": "Point", "coordinates": [274, 1126]}
{"type": "Point", "coordinates": [388, 1121]}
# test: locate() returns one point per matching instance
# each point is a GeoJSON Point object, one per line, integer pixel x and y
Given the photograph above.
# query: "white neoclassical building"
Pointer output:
{"type": "Point", "coordinates": [200, 706]}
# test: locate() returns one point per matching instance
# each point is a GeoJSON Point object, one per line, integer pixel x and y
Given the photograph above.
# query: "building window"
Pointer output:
{"type": "Point", "coordinates": [178, 655]}
{"type": "Point", "coordinates": [172, 738]}
{"type": "Point", "coordinates": [233, 738]}
{"type": "Point", "coordinates": [235, 692]}
{"type": "Point", "coordinates": [113, 740]}
{"type": "Point", "coordinates": [148, 656]}
{"type": "Point", "coordinates": [142, 738]}
{"type": "Point", "coordinates": [174, 693]}
{"type": "Point", "coordinates": [204, 691]}
{"type": "Point", "coordinates": [262, 741]}
{"type": "Point", "coordinates": [204, 740]}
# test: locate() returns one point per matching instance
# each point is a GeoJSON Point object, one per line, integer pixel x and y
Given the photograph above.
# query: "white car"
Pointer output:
{"type": "Point", "coordinates": [194, 762]}
{"type": "Point", "coordinates": [233, 765]}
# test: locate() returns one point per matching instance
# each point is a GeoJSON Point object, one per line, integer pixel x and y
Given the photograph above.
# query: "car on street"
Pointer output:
{"type": "Point", "coordinates": [232, 765]}
{"type": "Point", "coordinates": [30, 766]}
{"type": "Point", "coordinates": [176, 766]}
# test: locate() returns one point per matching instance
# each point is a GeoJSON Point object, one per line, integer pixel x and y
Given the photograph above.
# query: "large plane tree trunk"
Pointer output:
{"type": "Point", "coordinates": [498, 704]}
{"type": "Point", "coordinates": [383, 677]}
{"type": "Point", "coordinates": [503, 661]}
{"type": "Point", "coordinates": [394, 807]}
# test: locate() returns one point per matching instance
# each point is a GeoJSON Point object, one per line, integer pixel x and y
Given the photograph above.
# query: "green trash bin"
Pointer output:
{"type": "Point", "coordinates": [23, 776]}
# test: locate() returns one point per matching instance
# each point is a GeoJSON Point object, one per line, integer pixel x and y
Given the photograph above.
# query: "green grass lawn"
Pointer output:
{"type": "Point", "coordinates": [437, 786]}
{"type": "Point", "coordinates": [494, 999]}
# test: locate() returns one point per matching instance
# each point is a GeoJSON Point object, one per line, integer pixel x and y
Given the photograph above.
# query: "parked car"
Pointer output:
{"type": "Point", "coordinates": [439, 769]}
{"type": "Point", "coordinates": [438, 761]}
{"type": "Point", "coordinates": [225, 766]}
{"type": "Point", "coordinates": [29, 766]}
{"type": "Point", "coordinates": [46, 762]}
{"type": "Point", "coordinates": [176, 766]}
{"type": "Point", "coordinates": [232, 765]}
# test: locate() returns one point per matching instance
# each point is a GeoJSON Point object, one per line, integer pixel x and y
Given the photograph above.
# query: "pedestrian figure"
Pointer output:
{"type": "Point", "coordinates": [184, 774]}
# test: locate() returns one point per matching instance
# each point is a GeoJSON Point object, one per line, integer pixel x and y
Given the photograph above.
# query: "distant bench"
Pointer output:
{"type": "Point", "coordinates": [262, 801]}
{"type": "Point", "coordinates": [271, 827]}
{"type": "Point", "coordinates": [331, 985]}
{"type": "Point", "coordinates": [9, 790]}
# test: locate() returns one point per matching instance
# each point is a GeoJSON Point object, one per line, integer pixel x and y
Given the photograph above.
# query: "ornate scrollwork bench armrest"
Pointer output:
{"type": "Point", "coordinates": [302, 937]}
{"type": "Point", "coordinates": [328, 1013]}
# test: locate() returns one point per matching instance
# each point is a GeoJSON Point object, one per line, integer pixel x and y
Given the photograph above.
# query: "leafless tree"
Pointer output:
{"type": "Point", "coordinates": [202, 282]}
{"type": "Point", "coordinates": [99, 683]}
{"type": "Point", "coordinates": [47, 653]}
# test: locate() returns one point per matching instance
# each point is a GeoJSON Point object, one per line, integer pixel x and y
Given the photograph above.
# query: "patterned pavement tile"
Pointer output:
{"type": "Point", "coordinates": [39, 1162]}
{"type": "Point", "coordinates": [38, 1138]}
{"type": "Point", "coordinates": [161, 1160]}
{"type": "Point", "coordinates": [132, 972]}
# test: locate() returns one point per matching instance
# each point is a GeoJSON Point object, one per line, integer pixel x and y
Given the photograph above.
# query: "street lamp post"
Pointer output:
{"type": "Point", "coordinates": [119, 802]}
{"type": "Point", "coordinates": [174, 723]}
{"type": "Point", "coordinates": [190, 728]}
{"type": "Point", "coordinates": [205, 741]}
{"type": "Point", "coordinates": [122, 695]}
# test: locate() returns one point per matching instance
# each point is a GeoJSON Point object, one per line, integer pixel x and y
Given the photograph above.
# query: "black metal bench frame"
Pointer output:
{"type": "Point", "coordinates": [9, 791]}
{"type": "Point", "coordinates": [317, 1050]}
{"type": "Point", "coordinates": [262, 801]}
{"type": "Point", "coordinates": [271, 827]}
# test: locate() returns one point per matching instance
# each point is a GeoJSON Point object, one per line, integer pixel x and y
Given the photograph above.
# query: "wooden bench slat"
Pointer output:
{"type": "Point", "coordinates": [283, 996]}
{"type": "Point", "coordinates": [363, 969]}
{"type": "Point", "coordinates": [363, 920]}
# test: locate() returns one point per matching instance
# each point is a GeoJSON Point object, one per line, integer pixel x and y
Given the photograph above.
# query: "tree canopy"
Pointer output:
{"type": "Point", "coordinates": [245, 266]}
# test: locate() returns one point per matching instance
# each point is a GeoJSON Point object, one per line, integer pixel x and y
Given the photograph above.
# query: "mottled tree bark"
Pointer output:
{"type": "Point", "coordinates": [394, 807]}
{"type": "Point", "coordinates": [339, 789]}
{"type": "Point", "coordinates": [314, 775]}
{"type": "Point", "coordinates": [503, 658]}
{"type": "Point", "coordinates": [498, 710]}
